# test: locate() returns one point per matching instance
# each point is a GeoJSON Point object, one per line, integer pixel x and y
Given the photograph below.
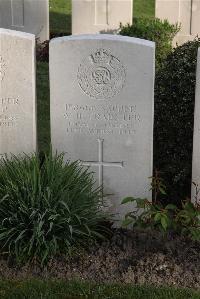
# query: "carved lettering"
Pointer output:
{"type": "Point", "coordinates": [8, 112]}
{"type": "Point", "coordinates": [102, 119]}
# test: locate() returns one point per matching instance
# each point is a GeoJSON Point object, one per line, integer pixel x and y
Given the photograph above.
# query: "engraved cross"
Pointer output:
{"type": "Point", "coordinates": [101, 163]}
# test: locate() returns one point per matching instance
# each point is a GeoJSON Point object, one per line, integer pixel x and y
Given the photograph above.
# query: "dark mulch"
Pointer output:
{"type": "Point", "coordinates": [138, 257]}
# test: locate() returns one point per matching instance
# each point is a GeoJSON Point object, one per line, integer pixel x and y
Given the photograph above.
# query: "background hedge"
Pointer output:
{"type": "Point", "coordinates": [161, 32]}
{"type": "Point", "coordinates": [173, 123]}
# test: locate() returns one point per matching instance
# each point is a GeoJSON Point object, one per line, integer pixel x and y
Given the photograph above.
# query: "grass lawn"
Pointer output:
{"type": "Point", "coordinates": [60, 16]}
{"type": "Point", "coordinates": [60, 13]}
{"type": "Point", "coordinates": [144, 8]}
{"type": "Point", "coordinates": [79, 290]}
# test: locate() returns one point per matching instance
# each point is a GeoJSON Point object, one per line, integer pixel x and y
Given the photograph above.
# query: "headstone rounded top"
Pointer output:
{"type": "Point", "coordinates": [17, 33]}
{"type": "Point", "coordinates": [106, 37]}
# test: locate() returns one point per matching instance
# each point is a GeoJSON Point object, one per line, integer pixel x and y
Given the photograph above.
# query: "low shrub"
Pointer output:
{"type": "Point", "coordinates": [173, 122]}
{"type": "Point", "coordinates": [184, 220]}
{"type": "Point", "coordinates": [160, 32]}
{"type": "Point", "coordinates": [47, 207]}
{"type": "Point", "coordinates": [165, 218]}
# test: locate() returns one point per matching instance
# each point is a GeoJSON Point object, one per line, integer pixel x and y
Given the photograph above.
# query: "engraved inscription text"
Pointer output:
{"type": "Point", "coordinates": [102, 119]}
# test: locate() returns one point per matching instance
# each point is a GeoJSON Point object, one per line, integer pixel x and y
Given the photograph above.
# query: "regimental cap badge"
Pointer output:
{"type": "Point", "coordinates": [101, 75]}
{"type": "Point", "coordinates": [101, 56]}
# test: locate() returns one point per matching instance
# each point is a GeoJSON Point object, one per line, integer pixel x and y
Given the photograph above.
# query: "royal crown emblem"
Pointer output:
{"type": "Point", "coordinates": [101, 75]}
{"type": "Point", "coordinates": [100, 56]}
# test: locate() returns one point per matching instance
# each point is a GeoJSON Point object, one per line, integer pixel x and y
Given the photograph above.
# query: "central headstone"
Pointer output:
{"type": "Point", "coordinates": [100, 16]}
{"type": "Point", "coordinates": [26, 15]}
{"type": "Point", "coordinates": [102, 110]}
{"type": "Point", "coordinates": [17, 93]}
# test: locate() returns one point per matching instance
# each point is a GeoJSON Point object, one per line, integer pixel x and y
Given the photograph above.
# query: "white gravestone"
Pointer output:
{"type": "Point", "coordinates": [102, 110]}
{"type": "Point", "coordinates": [184, 12]}
{"type": "Point", "coordinates": [26, 15]}
{"type": "Point", "coordinates": [100, 16]}
{"type": "Point", "coordinates": [196, 135]}
{"type": "Point", "coordinates": [17, 92]}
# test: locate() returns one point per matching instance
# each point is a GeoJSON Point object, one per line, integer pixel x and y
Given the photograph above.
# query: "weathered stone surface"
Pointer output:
{"type": "Point", "coordinates": [26, 15]}
{"type": "Point", "coordinates": [196, 135]}
{"type": "Point", "coordinates": [17, 92]}
{"type": "Point", "coordinates": [100, 16]}
{"type": "Point", "coordinates": [102, 110]}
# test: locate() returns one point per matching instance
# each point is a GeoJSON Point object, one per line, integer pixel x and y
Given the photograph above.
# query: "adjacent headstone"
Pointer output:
{"type": "Point", "coordinates": [17, 92]}
{"type": "Point", "coordinates": [26, 15]}
{"type": "Point", "coordinates": [196, 135]}
{"type": "Point", "coordinates": [100, 16]}
{"type": "Point", "coordinates": [102, 89]}
{"type": "Point", "coordinates": [184, 12]}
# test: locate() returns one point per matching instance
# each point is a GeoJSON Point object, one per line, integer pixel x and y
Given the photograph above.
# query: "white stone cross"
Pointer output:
{"type": "Point", "coordinates": [100, 163]}
{"type": "Point", "coordinates": [17, 11]}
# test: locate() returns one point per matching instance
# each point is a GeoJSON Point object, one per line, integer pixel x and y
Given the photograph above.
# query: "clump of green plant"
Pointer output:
{"type": "Point", "coordinates": [153, 29]}
{"type": "Point", "coordinates": [47, 207]}
{"type": "Point", "coordinates": [184, 220]}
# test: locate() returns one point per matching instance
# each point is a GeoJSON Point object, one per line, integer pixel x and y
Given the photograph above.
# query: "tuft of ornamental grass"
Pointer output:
{"type": "Point", "coordinates": [47, 207]}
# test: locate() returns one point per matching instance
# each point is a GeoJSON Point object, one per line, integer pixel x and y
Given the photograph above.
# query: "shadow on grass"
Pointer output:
{"type": "Point", "coordinates": [60, 24]}
{"type": "Point", "coordinates": [43, 106]}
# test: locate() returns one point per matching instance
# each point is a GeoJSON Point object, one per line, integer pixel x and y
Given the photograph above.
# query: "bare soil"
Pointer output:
{"type": "Point", "coordinates": [136, 257]}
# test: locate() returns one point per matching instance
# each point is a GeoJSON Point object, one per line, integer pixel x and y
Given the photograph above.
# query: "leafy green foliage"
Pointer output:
{"type": "Point", "coordinates": [155, 215]}
{"type": "Point", "coordinates": [157, 185]}
{"type": "Point", "coordinates": [47, 207]}
{"type": "Point", "coordinates": [173, 122]}
{"type": "Point", "coordinates": [161, 32]}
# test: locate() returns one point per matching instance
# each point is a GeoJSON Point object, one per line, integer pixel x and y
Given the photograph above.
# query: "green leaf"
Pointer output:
{"type": "Point", "coordinates": [127, 221]}
{"type": "Point", "coordinates": [127, 200]}
{"type": "Point", "coordinates": [171, 207]}
{"type": "Point", "coordinates": [164, 223]}
{"type": "Point", "coordinates": [157, 217]}
{"type": "Point", "coordinates": [162, 191]}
